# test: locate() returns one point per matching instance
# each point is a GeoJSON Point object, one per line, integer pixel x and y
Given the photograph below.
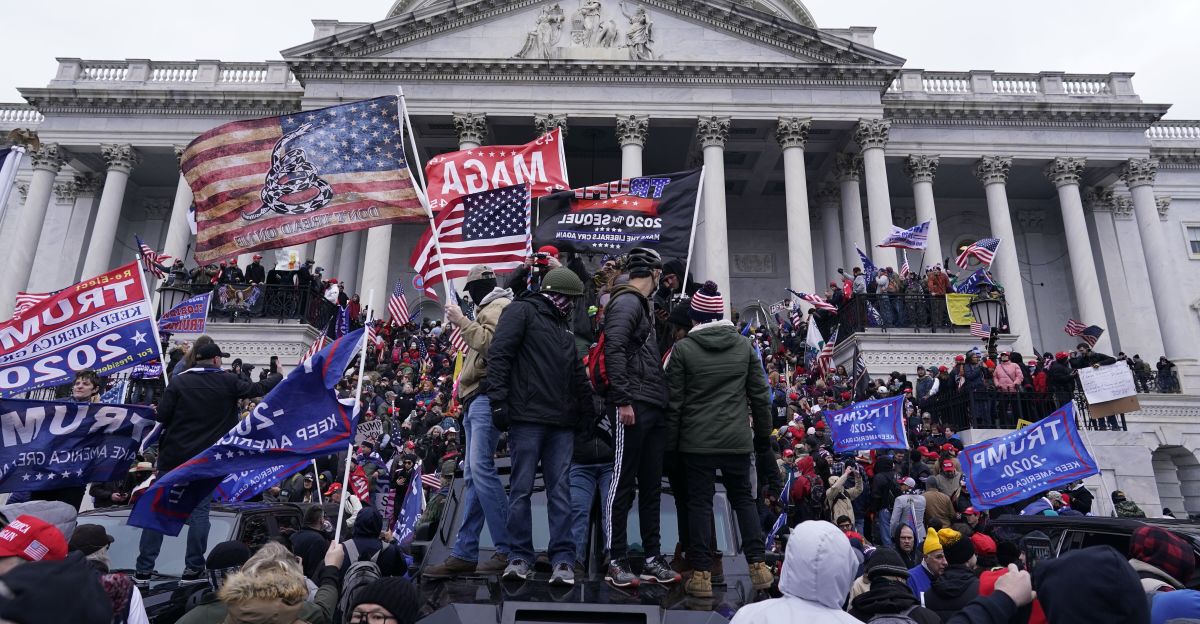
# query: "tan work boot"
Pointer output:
{"type": "Point", "coordinates": [699, 584]}
{"type": "Point", "coordinates": [450, 568]}
{"type": "Point", "coordinates": [761, 576]}
{"type": "Point", "coordinates": [493, 565]}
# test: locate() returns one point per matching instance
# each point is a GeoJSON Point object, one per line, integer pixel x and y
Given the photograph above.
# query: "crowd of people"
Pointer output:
{"type": "Point", "coordinates": [606, 382]}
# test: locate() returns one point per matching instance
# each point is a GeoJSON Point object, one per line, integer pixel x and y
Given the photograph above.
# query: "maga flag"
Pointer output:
{"type": "Point", "coordinates": [916, 237]}
{"type": "Point", "coordinates": [282, 181]}
{"type": "Point", "coordinates": [103, 323]}
{"type": "Point", "coordinates": [540, 163]}
{"type": "Point", "coordinates": [650, 211]}
{"type": "Point", "coordinates": [299, 420]}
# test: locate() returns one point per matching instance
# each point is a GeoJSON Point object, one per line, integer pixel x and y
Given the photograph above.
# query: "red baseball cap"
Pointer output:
{"type": "Point", "coordinates": [334, 487]}
{"type": "Point", "coordinates": [788, 452]}
{"type": "Point", "coordinates": [32, 539]}
{"type": "Point", "coordinates": [971, 510]}
{"type": "Point", "coordinates": [820, 425]}
{"type": "Point", "coordinates": [549, 249]}
{"type": "Point", "coordinates": [947, 465]}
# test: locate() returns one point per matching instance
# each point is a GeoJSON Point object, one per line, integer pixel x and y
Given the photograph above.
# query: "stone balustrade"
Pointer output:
{"type": "Point", "coordinates": [921, 83]}
{"type": "Point", "coordinates": [18, 115]}
{"type": "Point", "coordinates": [1168, 130]}
{"type": "Point", "coordinates": [203, 74]}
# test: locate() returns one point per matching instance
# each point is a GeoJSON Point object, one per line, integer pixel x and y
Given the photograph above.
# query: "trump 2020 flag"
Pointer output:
{"type": "Point", "coordinates": [410, 511]}
{"type": "Point", "coordinates": [1028, 461]}
{"type": "Point", "coordinates": [282, 181]}
{"type": "Point", "coordinates": [868, 425]}
{"type": "Point", "coordinates": [916, 237]}
{"type": "Point", "coordinates": [56, 444]}
{"type": "Point", "coordinates": [299, 420]}
{"type": "Point", "coordinates": [188, 317]}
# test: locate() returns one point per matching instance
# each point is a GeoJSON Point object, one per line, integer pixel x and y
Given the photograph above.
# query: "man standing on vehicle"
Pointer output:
{"type": "Point", "coordinates": [540, 394]}
{"type": "Point", "coordinates": [199, 407]}
{"type": "Point", "coordinates": [484, 497]}
{"type": "Point", "coordinates": [712, 374]}
{"type": "Point", "coordinates": [637, 391]}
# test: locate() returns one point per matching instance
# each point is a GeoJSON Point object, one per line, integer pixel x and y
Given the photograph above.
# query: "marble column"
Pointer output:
{"type": "Point", "coordinates": [847, 170]}
{"type": "Point", "coordinates": [121, 159]}
{"type": "Point", "coordinates": [471, 129]}
{"type": "Point", "coordinates": [376, 262]}
{"type": "Point", "coordinates": [348, 259]}
{"type": "Point", "coordinates": [631, 136]}
{"type": "Point", "coordinates": [1065, 173]}
{"type": "Point", "coordinates": [179, 233]}
{"type": "Point", "coordinates": [1173, 316]}
{"type": "Point", "coordinates": [921, 169]}
{"type": "Point", "coordinates": [712, 242]}
{"type": "Point", "coordinates": [87, 195]}
{"type": "Point", "coordinates": [545, 123]}
{"type": "Point", "coordinates": [872, 136]}
{"type": "Point", "coordinates": [46, 161]}
{"type": "Point", "coordinates": [1137, 290]}
{"type": "Point", "coordinates": [325, 253]}
{"type": "Point", "coordinates": [829, 200]}
{"type": "Point", "coordinates": [992, 172]}
{"type": "Point", "coordinates": [792, 134]}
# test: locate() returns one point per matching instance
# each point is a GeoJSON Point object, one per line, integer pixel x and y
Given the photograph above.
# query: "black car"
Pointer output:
{"type": "Point", "coordinates": [166, 598]}
{"type": "Point", "coordinates": [1066, 533]}
{"type": "Point", "coordinates": [482, 599]}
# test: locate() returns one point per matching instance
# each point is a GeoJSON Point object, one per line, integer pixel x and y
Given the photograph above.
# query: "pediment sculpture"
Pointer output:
{"type": "Point", "coordinates": [593, 35]}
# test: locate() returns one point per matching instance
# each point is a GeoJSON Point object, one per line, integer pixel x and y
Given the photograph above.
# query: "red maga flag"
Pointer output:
{"type": "Point", "coordinates": [280, 181]}
{"type": "Point", "coordinates": [539, 163]}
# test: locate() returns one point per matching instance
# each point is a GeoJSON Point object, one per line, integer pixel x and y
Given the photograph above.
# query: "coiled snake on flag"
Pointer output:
{"type": "Point", "coordinates": [291, 173]}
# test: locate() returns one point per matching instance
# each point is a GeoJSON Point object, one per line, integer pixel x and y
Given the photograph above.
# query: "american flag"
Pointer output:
{"type": "Point", "coordinates": [913, 238]}
{"type": "Point", "coordinates": [1087, 333]}
{"type": "Point", "coordinates": [457, 344]}
{"type": "Point", "coordinates": [432, 481]}
{"type": "Point", "coordinates": [316, 347]}
{"type": "Point", "coordinates": [825, 358]}
{"type": "Point", "coordinates": [274, 172]}
{"type": "Point", "coordinates": [398, 304]}
{"type": "Point", "coordinates": [817, 301]}
{"type": "Point", "coordinates": [1074, 327]}
{"type": "Point", "coordinates": [36, 551]}
{"type": "Point", "coordinates": [26, 300]}
{"type": "Point", "coordinates": [490, 228]}
{"type": "Point", "coordinates": [152, 261]}
{"type": "Point", "coordinates": [981, 330]}
{"type": "Point", "coordinates": [904, 268]}
{"type": "Point", "coordinates": [983, 249]}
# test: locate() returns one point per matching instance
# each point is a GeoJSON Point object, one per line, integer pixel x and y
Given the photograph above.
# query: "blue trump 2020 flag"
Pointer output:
{"type": "Point", "coordinates": [300, 419]}
{"type": "Point", "coordinates": [56, 444]}
{"type": "Point", "coordinates": [189, 317]}
{"type": "Point", "coordinates": [868, 425]}
{"type": "Point", "coordinates": [1028, 461]}
{"type": "Point", "coordinates": [410, 510]}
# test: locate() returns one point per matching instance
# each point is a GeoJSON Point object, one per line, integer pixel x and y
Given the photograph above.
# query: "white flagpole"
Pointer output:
{"type": "Point", "coordinates": [692, 237]}
{"type": "Point", "coordinates": [362, 367]}
{"type": "Point", "coordinates": [415, 163]}
{"type": "Point", "coordinates": [316, 482]}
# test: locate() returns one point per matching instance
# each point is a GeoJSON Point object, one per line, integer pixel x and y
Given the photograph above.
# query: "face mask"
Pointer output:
{"type": "Point", "coordinates": [480, 288]}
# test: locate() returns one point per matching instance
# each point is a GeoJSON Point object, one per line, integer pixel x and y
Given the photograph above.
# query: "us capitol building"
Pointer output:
{"type": "Point", "coordinates": [813, 141]}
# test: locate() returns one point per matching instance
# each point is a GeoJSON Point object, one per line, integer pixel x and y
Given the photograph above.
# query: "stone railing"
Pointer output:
{"type": "Point", "coordinates": [1169, 130]}
{"type": "Point", "coordinates": [16, 115]}
{"type": "Point", "coordinates": [919, 82]}
{"type": "Point", "coordinates": [73, 72]}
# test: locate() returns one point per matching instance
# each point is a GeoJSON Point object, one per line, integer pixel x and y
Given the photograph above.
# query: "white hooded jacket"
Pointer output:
{"type": "Point", "coordinates": [818, 569]}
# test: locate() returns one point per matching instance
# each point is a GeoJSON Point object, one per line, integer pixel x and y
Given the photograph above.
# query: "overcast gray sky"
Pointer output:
{"type": "Point", "coordinates": [1156, 39]}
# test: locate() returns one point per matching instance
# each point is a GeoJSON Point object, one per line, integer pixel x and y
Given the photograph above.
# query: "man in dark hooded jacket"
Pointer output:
{"type": "Point", "coordinates": [884, 491]}
{"type": "Point", "coordinates": [889, 593]}
{"type": "Point", "coordinates": [957, 585]}
{"type": "Point", "coordinates": [365, 542]}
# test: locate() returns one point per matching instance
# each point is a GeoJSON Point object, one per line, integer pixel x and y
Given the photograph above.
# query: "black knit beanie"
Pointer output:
{"type": "Point", "coordinates": [393, 593]}
{"type": "Point", "coordinates": [885, 562]}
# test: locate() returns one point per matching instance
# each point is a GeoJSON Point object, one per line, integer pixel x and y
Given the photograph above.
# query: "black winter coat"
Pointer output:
{"type": "Point", "coordinates": [631, 354]}
{"type": "Point", "coordinates": [256, 273]}
{"type": "Point", "coordinates": [887, 597]}
{"type": "Point", "coordinates": [198, 408]}
{"type": "Point", "coordinates": [594, 445]}
{"type": "Point", "coordinates": [533, 368]}
{"type": "Point", "coordinates": [952, 591]}
{"type": "Point", "coordinates": [1058, 378]}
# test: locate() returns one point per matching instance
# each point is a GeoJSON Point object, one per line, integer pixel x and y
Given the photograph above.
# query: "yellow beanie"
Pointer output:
{"type": "Point", "coordinates": [932, 543]}
{"type": "Point", "coordinates": [949, 537]}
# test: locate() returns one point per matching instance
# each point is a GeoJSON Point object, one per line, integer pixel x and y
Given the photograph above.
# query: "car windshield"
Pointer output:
{"type": "Point", "coordinates": [124, 550]}
{"type": "Point", "coordinates": [668, 524]}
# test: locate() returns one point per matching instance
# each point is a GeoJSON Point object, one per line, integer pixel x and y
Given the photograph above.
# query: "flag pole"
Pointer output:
{"type": "Point", "coordinates": [362, 367]}
{"type": "Point", "coordinates": [416, 158]}
{"type": "Point", "coordinates": [692, 236]}
{"type": "Point", "coordinates": [154, 321]}
{"type": "Point", "coordinates": [316, 482]}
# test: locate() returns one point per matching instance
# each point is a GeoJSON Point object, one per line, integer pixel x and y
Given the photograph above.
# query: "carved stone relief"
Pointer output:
{"type": "Point", "coordinates": [592, 33]}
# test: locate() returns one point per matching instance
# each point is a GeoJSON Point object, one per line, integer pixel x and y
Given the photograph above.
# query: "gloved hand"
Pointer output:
{"type": "Point", "coordinates": [500, 417]}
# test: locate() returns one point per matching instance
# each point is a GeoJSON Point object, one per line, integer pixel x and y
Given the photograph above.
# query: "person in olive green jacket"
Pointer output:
{"type": "Point", "coordinates": [713, 374]}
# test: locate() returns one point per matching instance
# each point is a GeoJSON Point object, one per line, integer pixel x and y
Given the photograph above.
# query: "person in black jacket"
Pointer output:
{"type": "Point", "coordinates": [256, 273]}
{"type": "Point", "coordinates": [637, 393]}
{"type": "Point", "coordinates": [540, 394]}
{"type": "Point", "coordinates": [196, 409]}
{"type": "Point", "coordinates": [884, 491]}
{"type": "Point", "coordinates": [591, 475]}
{"type": "Point", "coordinates": [1085, 357]}
{"type": "Point", "coordinates": [311, 541]}
{"type": "Point", "coordinates": [958, 584]}
{"type": "Point", "coordinates": [886, 572]}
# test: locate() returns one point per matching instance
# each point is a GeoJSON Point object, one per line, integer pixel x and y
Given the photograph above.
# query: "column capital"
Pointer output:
{"type": "Point", "coordinates": [49, 157]}
{"type": "Point", "coordinates": [1122, 207]}
{"type": "Point", "coordinates": [993, 169]}
{"type": "Point", "coordinates": [471, 127]}
{"type": "Point", "coordinates": [1031, 220]}
{"type": "Point", "coordinates": [1099, 199]}
{"type": "Point", "coordinates": [179, 153]}
{"type": "Point", "coordinates": [65, 192]}
{"type": "Point", "coordinates": [87, 184]}
{"type": "Point", "coordinates": [847, 167]}
{"type": "Point", "coordinates": [1065, 170]}
{"type": "Point", "coordinates": [870, 133]}
{"type": "Point", "coordinates": [713, 131]}
{"type": "Point", "coordinates": [829, 195]}
{"type": "Point", "coordinates": [1163, 203]}
{"type": "Point", "coordinates": [921, 167]}
{"type": "Point", "coordinates": [793, 131]}
{"type": "Point", "coordinates": [1139, 171]}
{"type": "Point", "coordinates": [120, 156]}
{"type": "Point", "coordinates": [632, 129]}
{"type": "Point", "coordinates": [545, 123]}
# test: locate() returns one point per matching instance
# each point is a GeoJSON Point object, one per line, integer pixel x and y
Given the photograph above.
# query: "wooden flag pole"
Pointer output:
{"type": "Point", "coordinates": [362, 367]}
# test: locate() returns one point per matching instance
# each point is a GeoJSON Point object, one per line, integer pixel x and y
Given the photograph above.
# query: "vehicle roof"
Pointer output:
{"type": "Point", "coordinates": [1097, 522]}
{"type": "Point", "coordinates": [220, 508]}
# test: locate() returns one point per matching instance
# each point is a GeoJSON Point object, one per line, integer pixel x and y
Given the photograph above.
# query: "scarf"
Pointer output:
{"type": "Point", "coordinates": [561, 302]}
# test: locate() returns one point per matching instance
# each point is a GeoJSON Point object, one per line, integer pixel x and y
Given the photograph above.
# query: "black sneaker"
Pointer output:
{"type": "Point", "coordinates": [142, 578]}
{"type": "Point", "coordinates": [655, 570]}
{"type": "Point", "coordinates": [193, 576]}
{"type": "Point", "coordinates": [620, 576]}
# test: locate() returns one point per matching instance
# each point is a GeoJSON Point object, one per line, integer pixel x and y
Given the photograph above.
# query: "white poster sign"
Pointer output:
{"type": "Point", "coordinates": [1107, 383]}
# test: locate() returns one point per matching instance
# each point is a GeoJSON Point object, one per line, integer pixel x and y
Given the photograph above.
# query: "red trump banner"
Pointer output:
{"type": "Point", "coordinates": [539, 163]}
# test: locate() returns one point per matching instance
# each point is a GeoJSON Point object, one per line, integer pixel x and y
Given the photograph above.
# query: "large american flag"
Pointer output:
{"type": "Point", "coordinates": [983, 249]}
{"type": "Point", "coordinates": [152, 261]}
{"type": "Point", "coordinates": [316, 347]}
{"type": "Point", "coordinates": [825, 358]}
{"type": "Point", "coordinates": [817, 301]}
{"type": "Point", "coordinates": [489, 228]}
{"type": "Point", "coordinates": [352, 151]}
{"type": "Point", "coordinates": [398, 304]}
{"type": "Point", "coordinates": [1087, 333]}
{"type": "Point", "coordinates": [1074, 327]}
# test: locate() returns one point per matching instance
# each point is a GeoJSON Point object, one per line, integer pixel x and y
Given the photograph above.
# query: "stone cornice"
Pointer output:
{"type": "Point", "coordinates": [163, 102]}
{"type": "Point", "coordinates": [960, 112]}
